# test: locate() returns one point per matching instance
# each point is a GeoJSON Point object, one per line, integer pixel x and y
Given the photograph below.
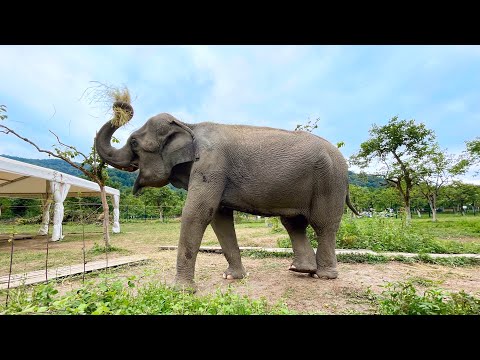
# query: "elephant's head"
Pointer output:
{"type": "Point", "coordinates": [160, 144]}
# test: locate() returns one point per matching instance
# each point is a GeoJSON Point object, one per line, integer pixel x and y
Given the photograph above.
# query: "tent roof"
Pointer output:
{"type": "Point", "coordinates": [19, 179]}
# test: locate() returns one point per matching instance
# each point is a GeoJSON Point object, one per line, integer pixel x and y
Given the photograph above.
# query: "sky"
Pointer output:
{"type": "Point", "coordinates": [348, 87]}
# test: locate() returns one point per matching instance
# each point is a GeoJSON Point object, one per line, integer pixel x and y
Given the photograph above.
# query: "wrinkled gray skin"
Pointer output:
{"type": "Point", "coordinates": [258, 170]}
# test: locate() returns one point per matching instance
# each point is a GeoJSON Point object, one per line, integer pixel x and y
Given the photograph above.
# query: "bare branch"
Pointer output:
{"type": "Point", "coordinates": [68, 146]}
{"type": "Point", "coordinates": [58, 156]}
{"type": "Point", "coordinates": [54, 112]}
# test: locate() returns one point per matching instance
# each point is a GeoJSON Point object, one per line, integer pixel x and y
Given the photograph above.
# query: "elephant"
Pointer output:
{"type": "Point", "coordinates": [295, 175]}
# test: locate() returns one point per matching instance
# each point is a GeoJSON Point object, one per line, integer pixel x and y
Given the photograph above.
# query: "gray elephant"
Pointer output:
{"type": "Point", "coordinates": [298, 176]}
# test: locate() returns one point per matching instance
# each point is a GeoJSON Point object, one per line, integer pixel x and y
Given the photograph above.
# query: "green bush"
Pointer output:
{"type": "Point", "coordinates": [118, 297]}
{"type": "Point", "coordinates": [403, 299]}
{"type": "Point", "coordinates": [275, 224]}
{"type": "Point", "coordinates": [284, 242]}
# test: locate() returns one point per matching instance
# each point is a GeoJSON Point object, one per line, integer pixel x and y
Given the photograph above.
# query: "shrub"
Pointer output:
{"type": "Point", "coordinates": [117, 297]}
{"type": "Point", "coordinates": [403, 299]}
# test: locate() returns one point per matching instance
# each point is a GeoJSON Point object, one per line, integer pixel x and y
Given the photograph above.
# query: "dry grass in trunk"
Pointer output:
{"type": "Point", "coordinates": [108, 96]}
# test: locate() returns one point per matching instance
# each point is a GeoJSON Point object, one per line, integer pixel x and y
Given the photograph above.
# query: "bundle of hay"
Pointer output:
{"type": "Point", "coordinates": [119, 97]}
{"type": "Point", "coordinates": [122, 108]}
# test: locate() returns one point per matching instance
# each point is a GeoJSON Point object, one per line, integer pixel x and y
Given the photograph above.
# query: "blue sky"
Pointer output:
{"type": "Point", "coordinates": [347, 87]}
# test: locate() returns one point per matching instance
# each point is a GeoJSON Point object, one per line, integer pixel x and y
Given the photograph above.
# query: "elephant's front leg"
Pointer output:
{"type": "Point", "coordinates": [202, 203]}
{"type": "Point", "coordinates": [222, 225]}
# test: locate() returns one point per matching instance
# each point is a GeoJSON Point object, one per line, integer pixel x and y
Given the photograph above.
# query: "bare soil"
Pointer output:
{"type": "Point", "coordinates": [270, 278]}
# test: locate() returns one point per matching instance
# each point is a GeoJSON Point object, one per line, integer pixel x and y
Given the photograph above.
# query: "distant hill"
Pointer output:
{"type": "Point", "coordinates": [365, 180]}
{"type": "Point", "coordinates": [127, 179]}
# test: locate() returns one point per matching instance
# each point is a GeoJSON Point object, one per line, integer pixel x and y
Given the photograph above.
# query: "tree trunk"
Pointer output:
{"type": "Point", "coordinates": [408, 214]}
{"type": "Point", "coordinates": [160, 213]}
{"type": "Point", "coordinates": [433, 205]}
{"type": "Point", "coordinates": [106, 219]}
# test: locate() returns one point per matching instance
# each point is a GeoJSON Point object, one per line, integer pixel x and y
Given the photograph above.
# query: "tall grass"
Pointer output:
{"type": "Point", "coordinates": [387, 234]}
{"type": "Point", "coordinates": [384, 234]}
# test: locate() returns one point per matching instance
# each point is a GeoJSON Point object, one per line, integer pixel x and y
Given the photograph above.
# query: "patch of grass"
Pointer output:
{"type": "Point", "coordinates": [403, 299]}
{"type": "Point", "coordinates": [449, 226]}
{"type": "Point", "coordinates": [358, 296]}
{"type": "Point", "coordinates": [101, 249]}
{"type": "Point", "coordinates": [404, 259]}
{"type": "Point", "coordinates": [362, 258]}
{"type": "Point", "coordinates": [457, 261]}
{"type": "Point", "coordinates": [389, 234]}
{"type": "Point", "coordinates": [24, 261]}
{"type": "Point", "coordinates": [449, 261]}
{"type": "Point", "coordinates": [118, 298]}
{"type": "Point", "coordinates": [261, 254]}
{"type": "Point", "coordinates": [385, 234]}
{"type": "Point", "coordinates": [424, 282]}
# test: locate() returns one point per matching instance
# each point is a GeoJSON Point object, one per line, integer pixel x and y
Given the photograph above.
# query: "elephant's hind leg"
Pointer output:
{"type": "Point", "coordinates": [223, 227]}
{"type": "Point", "coordinates": [326, 258]}
{"type": "Point", "coordinates": [303, 254]}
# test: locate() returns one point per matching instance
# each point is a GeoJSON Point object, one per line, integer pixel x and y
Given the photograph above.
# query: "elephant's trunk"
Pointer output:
{"type": "Point", "coordinates": [119, 158]}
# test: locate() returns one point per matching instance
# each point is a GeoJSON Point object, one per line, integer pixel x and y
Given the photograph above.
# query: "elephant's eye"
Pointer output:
{"type": "Point", "coordinates": [133, 143]}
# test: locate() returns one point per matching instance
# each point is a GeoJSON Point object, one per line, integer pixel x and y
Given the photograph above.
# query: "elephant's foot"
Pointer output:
{"type": "Point", "coordinates": [304, 265]}
{"type": "Point", "coordinates": [185, 285]}
{"type": "Point", "coordinates": [325, 273]}
{"type": "Point", "coordinates": [232, 273]}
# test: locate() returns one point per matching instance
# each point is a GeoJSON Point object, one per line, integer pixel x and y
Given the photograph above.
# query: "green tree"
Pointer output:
{"type": "Point", "coordinates": [396, 147]}
{"type": "Point", "coordinates": [386, 198]}
{"type": "Point", "coordinates": [473, 151]}
{"type": "Point", "coordinates": [363, 197]}
{"type": "Point", "coordinates": [167, 201]}
{"type": "Point", "coordinates": [436, 170]}
{"type": "Point", "coordinates": [473, 147]}
{"type": "Point", "coordinates": [458, 194]}
{"type": "Point", "coordinates": [418, 201]}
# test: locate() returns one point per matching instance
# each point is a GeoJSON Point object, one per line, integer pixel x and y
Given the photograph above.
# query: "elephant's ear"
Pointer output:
{"type": "Point", "coordinates": [179, 148]}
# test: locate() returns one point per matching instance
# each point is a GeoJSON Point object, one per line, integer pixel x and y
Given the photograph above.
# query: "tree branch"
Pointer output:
{"type": "Point", "coordinates": [68, 146]}
{"type": "Point", "coordinates": [86, 172]}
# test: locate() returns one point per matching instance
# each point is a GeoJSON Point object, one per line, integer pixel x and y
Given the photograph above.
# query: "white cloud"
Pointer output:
{"type": "Point", "coordinates": [348, 87]}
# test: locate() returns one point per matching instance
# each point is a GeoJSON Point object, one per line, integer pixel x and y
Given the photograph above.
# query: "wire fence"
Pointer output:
{"type": "Point", "coordinates": [90, 212]}
{"type": "Point", "coordinates": [77, 214]}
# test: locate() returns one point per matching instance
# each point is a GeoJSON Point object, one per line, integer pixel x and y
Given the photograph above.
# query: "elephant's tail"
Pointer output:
{"type": "Point", "coordinates": [349, 204]}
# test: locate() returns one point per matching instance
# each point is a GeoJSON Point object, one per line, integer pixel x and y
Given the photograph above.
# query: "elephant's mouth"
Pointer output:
{"type": "Point", "coordinates": [141, 182]}
{"type": "Point", "coordinates": [137, 187]}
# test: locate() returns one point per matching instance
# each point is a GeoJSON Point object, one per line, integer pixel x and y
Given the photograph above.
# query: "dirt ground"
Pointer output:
{"type": "Point", "coordinates": [270, 278]}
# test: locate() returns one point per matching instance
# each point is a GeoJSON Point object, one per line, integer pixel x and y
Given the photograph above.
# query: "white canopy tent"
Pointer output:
{"type": "Point", "coordinates": [22, 180]}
